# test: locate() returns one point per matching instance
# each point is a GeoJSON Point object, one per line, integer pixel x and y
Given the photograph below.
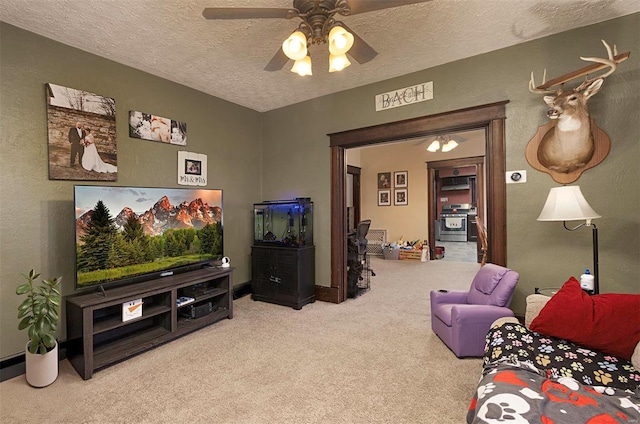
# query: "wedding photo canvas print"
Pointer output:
{"type": "Point", "coordinates": [155, 128]}
{"type": "Point", "coordinates": [81, 130]}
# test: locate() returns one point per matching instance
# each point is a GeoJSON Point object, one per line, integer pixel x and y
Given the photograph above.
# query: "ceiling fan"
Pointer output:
{"type": "Point", "coordinates": [318, 21]}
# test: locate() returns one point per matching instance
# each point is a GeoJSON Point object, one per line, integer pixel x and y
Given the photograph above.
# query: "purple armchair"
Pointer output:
{"type": "Point", "coordinates": [462, 319]}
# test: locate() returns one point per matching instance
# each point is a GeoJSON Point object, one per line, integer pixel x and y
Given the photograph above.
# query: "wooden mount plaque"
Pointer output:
{"type": "Point", "coordinates": [602, 146]}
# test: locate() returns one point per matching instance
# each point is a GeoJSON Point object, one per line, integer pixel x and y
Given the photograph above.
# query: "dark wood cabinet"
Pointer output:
{"type": "Point", "coordinates": [283, 275]}
{"type": "Point", "coordinates": [472, 229]}
{"type": "Point", "coordinates": [98, 337]}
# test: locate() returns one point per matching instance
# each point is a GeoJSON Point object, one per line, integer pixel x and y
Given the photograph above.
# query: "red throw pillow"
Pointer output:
{"type": "Point", "coordinates": [609, 323]}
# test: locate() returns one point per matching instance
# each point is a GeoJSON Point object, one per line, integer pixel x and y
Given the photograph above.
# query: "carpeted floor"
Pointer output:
{"type": "Point", "coordinates": [373, 359]}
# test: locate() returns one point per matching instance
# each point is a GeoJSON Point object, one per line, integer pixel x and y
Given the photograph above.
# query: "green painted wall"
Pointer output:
{"type": "Point", "coordinates": [543, 253]}
{"type": "Point", "coordinates": [35, 229]}
{"type": "Point", "coordinates": [36, 214]}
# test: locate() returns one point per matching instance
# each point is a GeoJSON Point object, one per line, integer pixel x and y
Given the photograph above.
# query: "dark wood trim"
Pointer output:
{"type": "Point", "coordinates": [355, 173]}
{"type": "Point", "coordinates": [338, 223]}
{"type": "Point", "coordinates": [241, 290]}
{"type": "Point", "coordinates": [456, 163]}
{"type": "Point", "coordinates": [328, 294]}
{"type": "Point", "coordinates": [490, 116]}
{"type": "Point", "coordinates": [496, 219]}
{"type": "Point", "coordinates": [458, 120]}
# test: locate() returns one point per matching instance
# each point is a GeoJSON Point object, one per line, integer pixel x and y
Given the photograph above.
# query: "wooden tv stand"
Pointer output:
{"type": "Point", "coordinates": [97, 336]}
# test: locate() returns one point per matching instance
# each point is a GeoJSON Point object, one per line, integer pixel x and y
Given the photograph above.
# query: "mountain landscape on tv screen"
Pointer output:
{"type": "Point", "coordinates": [161, 217]}
{"type": "Point", "coordinates": [133, 243]}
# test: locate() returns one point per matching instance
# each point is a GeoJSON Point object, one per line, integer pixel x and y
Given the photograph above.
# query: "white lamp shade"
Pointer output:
{"type": "Point", "coordinates": [295, 47]}
{"type": "Point", "coordinates": [451, 144]}
{"type": "Point", "coordinates": [434, 146]}
{"type": "Point", "coordinates": [567, 203]}
{"type": "Point", "coordinates": [338, 62]}
{"type": "Point", "coordinates": [302, 67]}
{"type": "Point", "coordinates": [340, 40]}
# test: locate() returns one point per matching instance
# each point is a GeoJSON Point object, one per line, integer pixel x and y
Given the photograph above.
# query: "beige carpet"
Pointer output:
{"type": "Point", "coordinates": [372, 359]}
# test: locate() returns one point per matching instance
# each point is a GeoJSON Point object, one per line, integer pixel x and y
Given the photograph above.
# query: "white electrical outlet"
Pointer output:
{"type": "Point", "coordinates": [516, 177]}
{"type": "Point", "coordinates": [444, 199]}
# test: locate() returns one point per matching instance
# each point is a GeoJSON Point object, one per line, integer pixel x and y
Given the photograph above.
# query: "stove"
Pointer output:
{"type": "Point", "coordinates": [454, 220]}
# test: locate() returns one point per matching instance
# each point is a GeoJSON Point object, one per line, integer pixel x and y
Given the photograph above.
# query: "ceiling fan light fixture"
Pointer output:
{"type": "Point", "coordinates": [295, 47]}
{"type": "Point", "coordinates": [338, 62]}
{"type": "Point", "coordinates": [340, 40]}
{"type": "Point", "coordinates": [451, 144]}
{"type": "Point", "coordinates": [302, 66]}
{"type": "Point", "coordinates": [434, 146]}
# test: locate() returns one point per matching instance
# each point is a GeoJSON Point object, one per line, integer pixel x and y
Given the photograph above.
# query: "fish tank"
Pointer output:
{"type": "Point", "coordinates": [286, 223]}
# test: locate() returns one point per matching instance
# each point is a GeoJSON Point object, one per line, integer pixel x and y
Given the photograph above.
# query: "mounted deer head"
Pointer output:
{"type": "Point", "coordinates": [568, 145]}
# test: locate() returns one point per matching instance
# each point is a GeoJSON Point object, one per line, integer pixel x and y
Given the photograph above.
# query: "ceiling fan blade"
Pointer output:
{"type": "Point", "coordinates": [363, 6]}
{"type": "Point", "coordinates": [277, 62]}
{"type": "Point", "coordinates": [248, 13]}
{"type": "Point", "coordinates": [361, 51]}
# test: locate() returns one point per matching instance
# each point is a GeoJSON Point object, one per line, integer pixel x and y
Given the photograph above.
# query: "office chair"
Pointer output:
{"type": "Point", "coordinates": [357, 260]}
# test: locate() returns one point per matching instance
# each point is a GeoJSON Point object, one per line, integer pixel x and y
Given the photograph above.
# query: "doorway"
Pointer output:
{"type": "Point", "coordinates": [472, 206]}
{"type": "Point", "coordinates": [490, 117]}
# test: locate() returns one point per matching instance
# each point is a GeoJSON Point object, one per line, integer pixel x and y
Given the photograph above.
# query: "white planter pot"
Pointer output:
{"type": "Point", "coordinates": [42, 370]}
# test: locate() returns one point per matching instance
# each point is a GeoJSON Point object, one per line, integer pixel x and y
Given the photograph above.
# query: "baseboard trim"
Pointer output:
{"type": "Point", "coordinates": [241, 290]}
{"type": "Point", "coordinates": [14, 366]}
{"type": "Point", "coordinates": [328, 294]}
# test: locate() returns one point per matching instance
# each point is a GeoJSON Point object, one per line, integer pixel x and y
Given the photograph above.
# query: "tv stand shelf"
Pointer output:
{"type": "Point", "coordinates": [98, 337]}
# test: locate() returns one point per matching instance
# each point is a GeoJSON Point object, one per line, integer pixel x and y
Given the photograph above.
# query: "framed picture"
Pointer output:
{"type": "Point", "coordinates": [81, 135]}
{"type": "Point", "coordinates": [156, 128]}
{"type": "Point", "coordinates": [192, 169]}
{"type": "Point", "coordinates": [384, 197]}
{"type": "Point", "coordinates": [400, 198]}
{"type": "Point", "coordinates": [400, 179]}
{"type": "Point", "coordinates": [384, 180]}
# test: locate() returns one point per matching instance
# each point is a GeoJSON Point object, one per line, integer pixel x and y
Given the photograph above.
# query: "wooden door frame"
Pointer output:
{"type": "Point", "coordinates": [355, 171]}
{"type": "Point", "coordinates": [490, 116]}
{"type": "Point", "coordinates": [432, 168]}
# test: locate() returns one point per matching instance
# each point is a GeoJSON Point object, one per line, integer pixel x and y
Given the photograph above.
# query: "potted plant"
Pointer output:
{"type": "Point", "coordinates": [38, 313]}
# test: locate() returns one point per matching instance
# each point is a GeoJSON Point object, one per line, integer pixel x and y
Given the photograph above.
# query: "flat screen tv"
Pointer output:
{"type": "Point", "coordinates": [130, 234]}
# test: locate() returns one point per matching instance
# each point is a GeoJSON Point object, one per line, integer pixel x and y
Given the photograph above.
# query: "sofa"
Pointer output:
{"type": "Point", "coordinates": [576, 359]}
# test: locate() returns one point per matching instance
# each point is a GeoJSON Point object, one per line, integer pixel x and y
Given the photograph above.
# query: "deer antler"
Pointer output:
{"type": "Point", "coordinates": [532, 84]}
{"type": "Point", "coordinates": [610, 61]}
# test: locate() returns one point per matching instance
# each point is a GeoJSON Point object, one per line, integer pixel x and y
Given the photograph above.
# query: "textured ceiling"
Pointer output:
{"type": "Point", "coordinates": [226, 58]}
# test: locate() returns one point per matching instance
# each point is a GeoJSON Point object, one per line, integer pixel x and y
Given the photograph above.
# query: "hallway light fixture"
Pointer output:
{"type": "Point", "coordinates": [567, 203]}
{"type": "Point", "coordinates": [440, 141]}
{"type": "Point", "coordinates": [339, 39]}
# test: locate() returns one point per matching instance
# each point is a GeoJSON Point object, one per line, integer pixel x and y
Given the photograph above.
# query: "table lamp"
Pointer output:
{"type": "Point", "coordinates": [567, 203]}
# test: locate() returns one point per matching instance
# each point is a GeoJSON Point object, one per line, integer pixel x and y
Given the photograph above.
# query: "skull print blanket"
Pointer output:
{"type": "Point", "coordinates": [531, 378]}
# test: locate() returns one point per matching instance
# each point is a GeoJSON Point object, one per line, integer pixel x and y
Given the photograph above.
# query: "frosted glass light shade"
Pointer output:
{"type": "Point", "coordinates": [434, 146]}
{"type": "Point", "coordinates": [567, 203]}
{"type": "Point", "coordinates": [338, 62]}
{"type": "Point", "coordinates": [340, 40]}
{"type": "Point", "coordinates": [295, 47]}
{"type": "Point", "coordinates": [302, 67]}
{"type": "Point", "coordinates": [451, 144]}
